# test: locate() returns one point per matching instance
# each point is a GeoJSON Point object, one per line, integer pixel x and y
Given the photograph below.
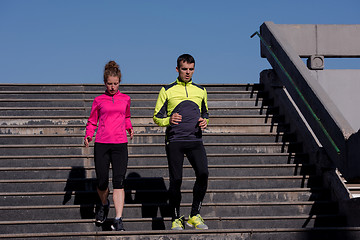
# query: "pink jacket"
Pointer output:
{"type": "Point", "coordinates": [113, 115]}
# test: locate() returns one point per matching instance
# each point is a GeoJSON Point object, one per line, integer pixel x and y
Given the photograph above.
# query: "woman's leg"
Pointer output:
{"type": "Point", "coordinates": [119, 199]}
{"type": "Point", "coordinates": [119, 165]}
{"type": "Point", "coordinates": [103, 195]}
{"type": "Point", "coordinates": [102, 164]}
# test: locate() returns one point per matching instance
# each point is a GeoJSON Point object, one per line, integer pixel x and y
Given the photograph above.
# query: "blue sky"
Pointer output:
{"type": "Point", "coordinates": [70, 41]}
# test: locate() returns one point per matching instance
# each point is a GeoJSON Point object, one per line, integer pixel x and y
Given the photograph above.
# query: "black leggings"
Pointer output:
{"type": "Point", "coordinates": [195, 152]}
{"type": "Point", "coordinates": [117, 155]}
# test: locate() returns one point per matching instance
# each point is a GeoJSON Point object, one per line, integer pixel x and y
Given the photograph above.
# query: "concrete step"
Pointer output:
{"type": "Point", "coordinates": [135, 111]}
{"type": "Point", "coordinates": [151, 159]}
{"type": "Point", "coordinates": [133, 224]}
{"type": "Point", "coordinates": [225, 182]}
{"type": "Point", "coordinates": [134, 94]}
{"type": "Point", "coordinates": [43, 120]}
{"type": "Point", "coordinates": [140, 194]}
{"type": "Point", "coordinates": [148, 138]}
{"type": "Point", "coordinates": [82, 120]}
{"type": "Point", "coordinates": [354, 188]}
{"type": "Point", "coordinates": [36, 103]}
{"type": "Point", "coordinates": [141, 128]}
{"type": "Point", "coordinates": [161, 171]}
{"type": "Point", "coordinates": [47, 212]}
{"type": "Point", "coordinates": [329, 233]}
{"type": "Point", "coordinates": [76, 87]}
{"type": "Point", "coordinates": [123, 87]}
{"type": "Point", "coordinates": [76, 94]}
{"type": "Point", "coordinates": [153, 148]}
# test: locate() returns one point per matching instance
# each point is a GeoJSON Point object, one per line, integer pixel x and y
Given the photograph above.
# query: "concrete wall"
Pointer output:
{"type": "Point", "coordinates": [320, 39]}
{"type": "Point", "coordinates": [343, 87]}
{"type": "Point", "coordinates": [330, 41]}
{"type": "Point", "coordinates": [332, 94]}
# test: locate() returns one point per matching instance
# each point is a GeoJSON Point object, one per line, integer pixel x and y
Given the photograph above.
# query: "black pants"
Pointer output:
{"type": "Point", "coordinates": [117, 155]}
{"type": "Point", "coordinates": [195, 152]}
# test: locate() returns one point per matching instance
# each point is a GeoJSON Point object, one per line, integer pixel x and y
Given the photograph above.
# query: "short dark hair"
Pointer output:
{"type": "Point", "coordinates": [185, 58]}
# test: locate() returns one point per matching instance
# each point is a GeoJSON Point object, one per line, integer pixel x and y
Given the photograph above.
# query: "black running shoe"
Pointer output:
{"type": "Point", "coordinates": [102, 212]}
{"type": "Point", "coordinates": [117, 225]}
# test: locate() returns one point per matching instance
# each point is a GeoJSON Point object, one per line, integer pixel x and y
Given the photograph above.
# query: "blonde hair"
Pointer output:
{"type": "Point", "coordinates": [112, 69]}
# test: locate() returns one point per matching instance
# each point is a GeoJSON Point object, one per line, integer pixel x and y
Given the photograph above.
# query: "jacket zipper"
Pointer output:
{"type": "Point", "coordinates": [186, 90]}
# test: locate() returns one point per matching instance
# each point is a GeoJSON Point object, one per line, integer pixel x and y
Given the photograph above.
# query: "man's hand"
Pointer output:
{"type": "Point", "coordinates": [202, 123]}
{"type": "Point", "coordinates": [131, 133]}
{"type": "Point", "coordinates": [175, 119]}
{"type": "Point", "coordinates": [86, 141]}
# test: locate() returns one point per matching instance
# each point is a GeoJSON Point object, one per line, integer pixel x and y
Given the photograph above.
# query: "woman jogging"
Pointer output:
{"type": "Point", "coordinates": [111, 113]}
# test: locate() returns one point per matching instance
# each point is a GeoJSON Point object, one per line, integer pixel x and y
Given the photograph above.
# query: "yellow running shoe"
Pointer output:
{"type": "Point", "coordinates": [178, 224]}
{"type": "Point", "coordinates": [197, 222]}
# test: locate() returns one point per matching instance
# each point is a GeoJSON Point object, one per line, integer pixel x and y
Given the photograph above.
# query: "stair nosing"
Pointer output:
{"type": "Point", "coordinates": [153, 155]}
{"type": "Point", "coordinates": [222, 178]}
{"type": "Point", "coordinates": [64, 221]}
{"type": "Point", "coordinates": [137, 205]}
{"type": "Point", "coordinates": [175, 233]}
{"type": "Point", "coordinates": [186, 166]}
{"type": "Point", "coordinates": [225, 190]}
{"type": "Point", "coordinates": [62, 145]}
{"type": "Point", "coordinates": [144, 116]}
{"type": "Point", "coordinates": [147, 125]}
{"type": "Point", "coordinates": [147, 134]}
{"type": "Point", "coordinates": [91, 99]}
{"type": "Point", "coordinates": [122, 91]}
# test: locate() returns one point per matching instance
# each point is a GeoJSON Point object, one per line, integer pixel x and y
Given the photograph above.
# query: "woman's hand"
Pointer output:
{"type": "Point", "coordinates": [86, 141]}
{"type": "Point", "coordinates": [131, 133]}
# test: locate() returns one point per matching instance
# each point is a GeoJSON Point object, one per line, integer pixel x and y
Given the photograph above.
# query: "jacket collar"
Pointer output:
{"type": "Point", "coordinates": [107, 93]}
{"type": "Point", "coordinates": [179, 81]}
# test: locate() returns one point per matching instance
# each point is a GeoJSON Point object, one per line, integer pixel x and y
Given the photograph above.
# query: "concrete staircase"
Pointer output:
{"type": "Point", "coordinates": [260, 187]}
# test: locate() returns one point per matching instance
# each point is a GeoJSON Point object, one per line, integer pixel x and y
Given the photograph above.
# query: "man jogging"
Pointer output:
{"type": "Point", "coordinates": [182, 108]}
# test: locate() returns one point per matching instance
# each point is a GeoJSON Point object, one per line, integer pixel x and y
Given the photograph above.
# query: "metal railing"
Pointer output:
{"type": "Point", "coordinates": [297, 90]}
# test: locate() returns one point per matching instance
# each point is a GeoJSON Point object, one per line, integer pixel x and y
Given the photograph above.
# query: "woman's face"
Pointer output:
{"type": "Point", "coordinates": [112, 84]}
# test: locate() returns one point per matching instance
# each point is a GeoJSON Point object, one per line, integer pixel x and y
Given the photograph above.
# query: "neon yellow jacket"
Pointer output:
{"type": "Point", "coordinates": [187, 99]}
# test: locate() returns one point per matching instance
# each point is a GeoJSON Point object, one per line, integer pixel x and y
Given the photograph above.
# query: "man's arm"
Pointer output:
{"type": "Point", "coordinates": [204, 108]}
{"type": "Point", "coordinates": [204, 119]}
{"type": "Point", "coordinates": [160, 113]}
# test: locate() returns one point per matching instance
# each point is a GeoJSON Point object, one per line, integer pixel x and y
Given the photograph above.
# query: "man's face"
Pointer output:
{"type": "Point", "coordinates": [186, 70]}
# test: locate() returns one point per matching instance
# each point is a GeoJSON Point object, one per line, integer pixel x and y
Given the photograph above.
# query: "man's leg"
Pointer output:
{"type": "Point", "coordinates": [198, 160]}
{"type": "Point", "coordinates": [175, 157]}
